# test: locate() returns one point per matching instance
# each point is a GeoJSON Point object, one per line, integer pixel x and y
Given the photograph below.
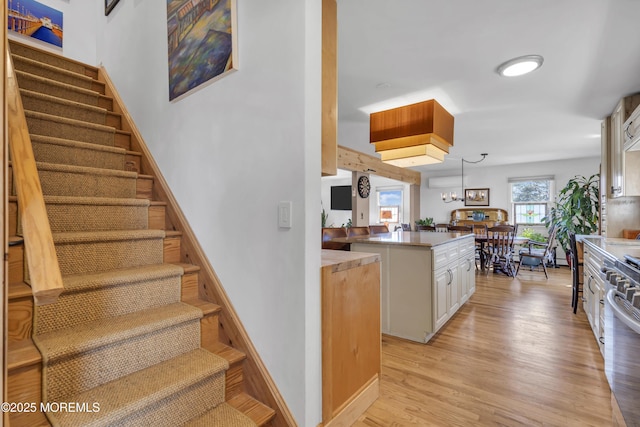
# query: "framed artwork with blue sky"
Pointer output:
{"type": "Point", "coordinates": [29, 18]}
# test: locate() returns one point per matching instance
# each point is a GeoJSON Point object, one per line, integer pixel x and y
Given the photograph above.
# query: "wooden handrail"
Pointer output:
{"type": "Point", "coordinates": [44, 271]}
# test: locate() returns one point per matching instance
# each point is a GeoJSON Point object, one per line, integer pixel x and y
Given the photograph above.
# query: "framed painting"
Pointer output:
{"type": "Point", "coordinates": [29, 18]}
{"type": "Point", "coordinates": [476, 197]}
{"type": "Point", "coordinates": [202, 43]}
{"type": "Point", "coordinates": [109, 5]}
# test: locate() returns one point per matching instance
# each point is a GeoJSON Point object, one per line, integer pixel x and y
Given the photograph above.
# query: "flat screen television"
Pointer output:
{"type": "Point", "coordinates": [341, 198]}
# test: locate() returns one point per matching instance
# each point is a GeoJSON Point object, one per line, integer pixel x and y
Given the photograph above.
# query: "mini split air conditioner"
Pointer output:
{"type": "Point", "coordinates": [445, 181]}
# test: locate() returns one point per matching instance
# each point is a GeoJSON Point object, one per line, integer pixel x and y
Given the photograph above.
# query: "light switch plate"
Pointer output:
{"type": "Point", "coordinates": [285, 211]}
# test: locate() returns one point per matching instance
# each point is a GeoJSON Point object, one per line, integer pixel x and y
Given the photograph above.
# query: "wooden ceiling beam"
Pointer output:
{"type": "Point", "coordinates": [352, 160]}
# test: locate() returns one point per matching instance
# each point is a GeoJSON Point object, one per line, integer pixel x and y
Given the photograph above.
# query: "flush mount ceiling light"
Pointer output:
{"type": "Point", "coordinates": [519, 66]}
{"type": "Point", "coordinates": [412, 135]}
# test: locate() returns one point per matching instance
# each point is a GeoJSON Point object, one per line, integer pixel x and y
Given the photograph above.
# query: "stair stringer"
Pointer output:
{"type": "Point", "coordinates": [257, 379]}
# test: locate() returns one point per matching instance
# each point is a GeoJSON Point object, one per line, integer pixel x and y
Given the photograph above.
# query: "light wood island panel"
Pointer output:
{"type": "Point", "coordinates": [351, 337]}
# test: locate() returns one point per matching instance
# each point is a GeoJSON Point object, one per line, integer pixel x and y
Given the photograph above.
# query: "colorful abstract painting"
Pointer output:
{"type": "Point", "coordinates": [202, 46]}
{"type": "Point", "coordinates": [32, 19]}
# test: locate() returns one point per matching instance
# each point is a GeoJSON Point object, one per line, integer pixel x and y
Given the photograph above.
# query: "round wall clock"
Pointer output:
{"type": "Point", "coordinates": [364, 187]}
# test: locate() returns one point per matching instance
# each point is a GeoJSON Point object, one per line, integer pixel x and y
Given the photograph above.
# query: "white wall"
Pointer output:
{"type": "Point", "coordinates": [230, 152]}
{"type": "Point", "coordinates": [338, 218]}
{"type": "Point", "coordinates": [496, 179]}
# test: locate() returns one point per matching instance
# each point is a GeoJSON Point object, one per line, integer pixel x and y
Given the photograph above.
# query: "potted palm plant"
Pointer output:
{"type": "Point", "coordinates": [426, 221]}
{"type": "Point", "coordinates": [576, 210]}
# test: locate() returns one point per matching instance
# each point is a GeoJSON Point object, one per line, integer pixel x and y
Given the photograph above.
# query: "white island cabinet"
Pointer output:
{"type": "Point", "coordinates": [426, 277]}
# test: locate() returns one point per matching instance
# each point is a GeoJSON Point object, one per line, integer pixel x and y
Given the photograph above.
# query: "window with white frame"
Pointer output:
{"type": "Point", "coordinates": [390, 206]}
{"type": "Point", "coordinates": [530, 198]}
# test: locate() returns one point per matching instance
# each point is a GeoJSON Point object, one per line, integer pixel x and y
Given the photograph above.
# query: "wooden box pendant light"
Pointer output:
{"type": "Point", "coordinates": [412, 135]}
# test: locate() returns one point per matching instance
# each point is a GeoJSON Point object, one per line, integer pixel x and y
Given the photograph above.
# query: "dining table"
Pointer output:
{"type": "Point", "coordinates": [481, 241]}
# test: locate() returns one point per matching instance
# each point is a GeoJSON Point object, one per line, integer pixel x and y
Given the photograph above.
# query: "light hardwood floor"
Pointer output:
{"type": "Point", "coordinates": [513, 355]}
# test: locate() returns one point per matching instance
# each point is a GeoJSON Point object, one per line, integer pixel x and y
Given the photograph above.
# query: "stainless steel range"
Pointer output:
{"type": "Point", "coordinates": [622, 335]}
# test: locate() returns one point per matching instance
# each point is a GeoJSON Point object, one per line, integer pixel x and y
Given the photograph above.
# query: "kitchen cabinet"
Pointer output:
{"type": "Point", "coordinates": [454, 282]}
{"type": "Point", "coordinates": [631, 131]}
{"type": "Point", "coordinates": [426, 277]}
{"type": "Point", "coordinates": [594, 291]}
{"type": "Point", "coordinates": [604, 174]}
{"type": "Point", "coordinates": [466, 270]}
{"type": "Point", "coordinates": [615, 141]}
{"type": "Point", "coordinates": [631, 135]}
{"type": "Point", "coordinates": [446, 293]}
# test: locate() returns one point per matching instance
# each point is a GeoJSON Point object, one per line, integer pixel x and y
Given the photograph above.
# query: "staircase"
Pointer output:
{"type": "Point", "coordinates": [129, 341]}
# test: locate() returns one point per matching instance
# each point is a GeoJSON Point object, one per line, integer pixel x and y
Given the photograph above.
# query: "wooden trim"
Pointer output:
{"type": "Point", "coordinates": [361, 402]}
{"type": "Point", "coordinates": [359, 162]}
{"type": "Point", "coordinates": [350, 356]}
{"type": "Point", "coordinates": [329, 87]}
{"type": "Point", "coordinates": [44, 272]}
{"type": "Point", "coordinates": [257, 379]}
{"type": "Point", "coordinates": [616, 415]}
{"type": "Point", "coordinates": [4, 227]}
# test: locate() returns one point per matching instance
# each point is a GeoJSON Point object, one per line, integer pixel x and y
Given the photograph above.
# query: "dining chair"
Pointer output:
{"type": "Point", "coordinates": [358, 231]}
{"type": "Point", "coordinates": [378, 229]}
{"type": "Point", "coordinates": [538, 251]}
{"type": "Point", "coordinates": [480, 230]}
{"type": "Point", "coordinates": [499, 248]}
{"type": "Point", "coordinates": [460, 228]}
{"type": "Point", "coordinates": [442, 227]}
{"type": "Point", "coordinates": [329, 233]}
{"type": "Point", "coordinates": [577, 264]}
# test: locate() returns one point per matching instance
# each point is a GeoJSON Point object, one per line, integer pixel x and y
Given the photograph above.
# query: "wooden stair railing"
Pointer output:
{"type": "Point", "coordinates": [257, 378]}
{"type": "Point", "coordinates": [42, 262]}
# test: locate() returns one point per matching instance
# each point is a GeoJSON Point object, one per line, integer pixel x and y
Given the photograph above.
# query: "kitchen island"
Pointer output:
{"type": "Point", "coordinates": [426, 277]}
{"type": "Point", "coordinates": [351, 338]}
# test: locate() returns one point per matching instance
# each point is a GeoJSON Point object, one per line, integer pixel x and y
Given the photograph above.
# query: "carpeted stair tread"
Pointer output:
{"type": "Point", "coordinates": [69, 213]}
{"type": "Point", "coordinates": [62, 127]}
{"type": "Point", "coordinates": [52, 72]}
{"type": "Point", "coordinates": [167, 394]}
{"type": "Point", "coordinates": [89, 297]}
{"type": "Point", "coordinates": [119, 334]}
{"type": "Point", "coordinates": [83, 282]}
{"type": "Point", "coordinates": [47, 149]}
{"type": "Point", "coordinates": [106, 236]}
{"type": "Point", "coordinates": [49, 58]}
{"type": "Point", "coordinates": [85, 252]}
{"type": "Point", "coordinates": [222, 415]}
{"type": "Point", "coordinates": [91, 354]}
{"type": "Point", "coordinates": [56, 88]}
{"type": "Point", "coordinates": [43, 103]}
{"type": "Point", "coordinates": [84, 169]}
{"type": "Point", "coordinates": [70, 180]}
{"type": "Point", "coordinates": [86, 337]}
{"type": "Point", "coordinates": [96, 201]}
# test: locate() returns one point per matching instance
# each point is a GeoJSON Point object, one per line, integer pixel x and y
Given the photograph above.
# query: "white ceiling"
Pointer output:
{"type": "Point", "coordinates": [449, 50]}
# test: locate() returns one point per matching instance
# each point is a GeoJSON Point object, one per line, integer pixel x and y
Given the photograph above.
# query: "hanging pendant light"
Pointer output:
{"type": "Point", "coordinates": [412, 135]}
{"type": "Point", "coordinates": [452, 196]}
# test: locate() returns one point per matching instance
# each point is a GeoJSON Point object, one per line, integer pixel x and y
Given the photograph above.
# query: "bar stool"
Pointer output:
{"type": "Point", "coordinates": [577, 264]}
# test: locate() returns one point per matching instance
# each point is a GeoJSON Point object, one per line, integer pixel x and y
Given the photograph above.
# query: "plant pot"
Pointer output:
{"type": "Point", "coordinates": [478, 216]}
